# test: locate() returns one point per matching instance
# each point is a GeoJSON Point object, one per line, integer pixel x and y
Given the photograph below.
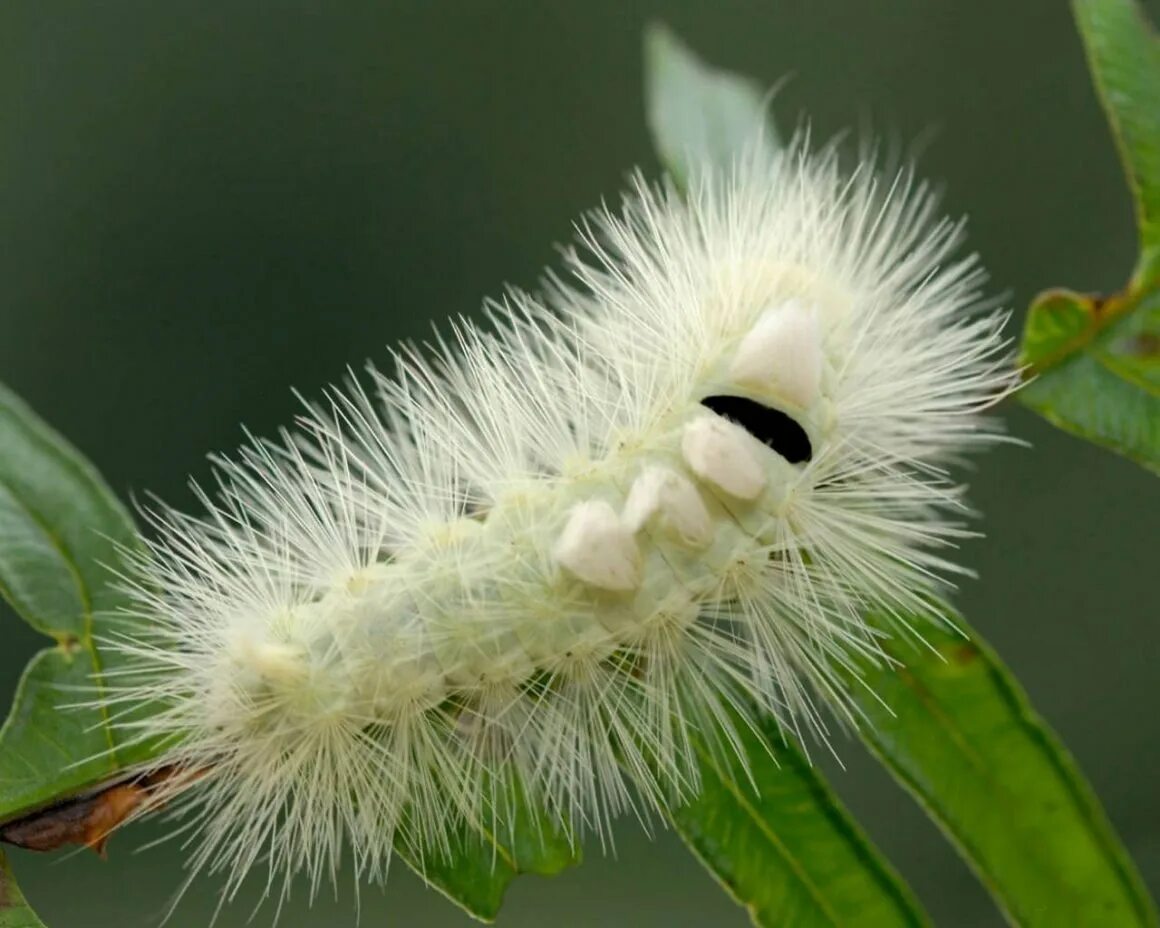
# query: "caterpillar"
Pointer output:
{"type": "Point", "coordinates": [545, 550]}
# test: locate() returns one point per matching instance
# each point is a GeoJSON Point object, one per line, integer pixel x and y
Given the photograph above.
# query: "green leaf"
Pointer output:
{"type": "Point", "coordinates": [1098, 369]}
{"type": "Point", "coordinates": [1124, 57]}
{"type": "Point", "coordinates": [481, 864]}
{"type": "Point", "coordinates": [960, 735]}
{"type": "Point", "coordinates": [699, 116]}
{"type": "Point", "coordinates": [59, 530]}
{"type": "Point", "coordinates": [14, 909]}
{"type": "Point", "coordinates": [782, 845]}
{"type": "Point", "coordinates": [1097, 361]}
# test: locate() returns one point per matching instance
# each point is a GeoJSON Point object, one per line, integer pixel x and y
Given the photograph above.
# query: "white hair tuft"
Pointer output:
{"type": "Point", "coordinates": [545, 552]}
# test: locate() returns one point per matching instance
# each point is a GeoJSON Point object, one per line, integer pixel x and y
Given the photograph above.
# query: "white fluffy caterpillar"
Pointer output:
{"type": "Point", "coordinates": [549, 552]}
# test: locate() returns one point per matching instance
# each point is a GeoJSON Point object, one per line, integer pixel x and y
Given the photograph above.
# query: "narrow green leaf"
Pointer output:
{"type": "Point", "coordinates": [1097, 366]}
{"type": "Point", "coordinates": [480, 864]}
{"type": "Point", "coordinates": [1124, 56]}
{"type": "Point", "coordinates": [961, 736]}
{"type": "Point", "coordinates": [699, 116]}
{"type": "Point", "coordinates": [779, 841]}
{"type": "Point", "coordinates": [59, 530]}
{"type": "Point", "coordinates": [14, 909]}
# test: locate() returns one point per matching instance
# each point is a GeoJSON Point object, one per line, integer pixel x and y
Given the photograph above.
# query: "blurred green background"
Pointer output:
{"type": "Point", "coordinates": [203, 204]}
